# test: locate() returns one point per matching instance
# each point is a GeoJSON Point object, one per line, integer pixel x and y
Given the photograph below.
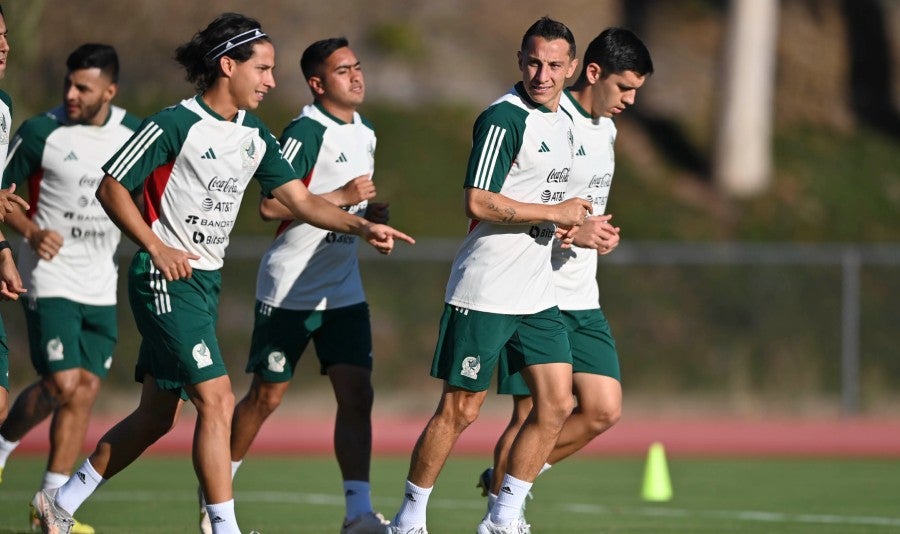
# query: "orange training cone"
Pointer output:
{"type": "Point", "coordinates": [657, 485]}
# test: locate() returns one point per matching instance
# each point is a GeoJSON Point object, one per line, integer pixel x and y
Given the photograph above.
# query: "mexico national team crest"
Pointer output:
{"type": "Point", "coordinates": [250, 154]}
{"type": "Point", "coordinates": [202, 355]}
{"type": "Point", "coordinates": [4, 129]}
{"type": "Point", "coordinates": [276, 361]}
{"type": "Point", "coordinates": [470, 367]}
{"type": "Point", "coordinates": [55, 350]}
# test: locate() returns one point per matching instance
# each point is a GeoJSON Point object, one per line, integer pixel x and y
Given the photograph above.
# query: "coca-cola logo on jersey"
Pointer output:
{"type": "Point", "coordinates": [89, 181]}
{"type": "Point", "coordinates": [558, 176]}
{"type": "Point", "coordinates": [224, 185]}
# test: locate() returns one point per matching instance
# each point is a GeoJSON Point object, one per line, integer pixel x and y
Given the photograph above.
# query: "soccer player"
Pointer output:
{"type": "Point", "coordinates": [10, 281]}
{"type": "Point", "coordinates": [66, 258]}
{"type": "Point", "coordinates": [500, 293]}
{"type": "Point", "coordinates": [616, 64]}
{"type": "Point", "coordinates": [309, 286]}
{"type": "Point", "coordinates": [192, 163]}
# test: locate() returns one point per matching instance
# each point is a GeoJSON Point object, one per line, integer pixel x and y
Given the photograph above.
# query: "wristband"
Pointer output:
{"type": "Point", "coordinates": [4, 245]}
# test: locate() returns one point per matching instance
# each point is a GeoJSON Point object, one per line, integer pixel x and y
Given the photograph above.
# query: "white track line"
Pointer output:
{"type": "Point", "coordinates": [321, 499]}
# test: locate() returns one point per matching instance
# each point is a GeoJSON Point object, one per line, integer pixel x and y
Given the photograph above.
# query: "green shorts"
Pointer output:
{"type": "Point", "coordinates": [64, 334]}
{"type": "Point", "coordinates": [470, 342]}
{"type": "Point", "coordinates": [4, 358]}
{"type": "Point", "coordinates": [340, 335]}
{"type": "Point", "coordinates": [593, 351]}
{"type": "Point", "coordinates": [177, 322]}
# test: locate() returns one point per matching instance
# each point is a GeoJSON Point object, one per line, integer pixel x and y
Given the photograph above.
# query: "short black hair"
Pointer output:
{"type": "Point", "coordinates": [317, 53]}
{"type": "Point", "coordinates": [203, 70]}
{"type": "Point", "coordinates": [550, 29]}
{"type": "Point", "coordinates": [94, 55]}
{"type": "Point", "coordinates": [617, 50]}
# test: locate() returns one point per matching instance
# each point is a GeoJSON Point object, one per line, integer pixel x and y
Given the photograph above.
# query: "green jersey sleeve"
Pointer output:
{"type": "Point", "coordinates": [27, 149]}
{"type": "Point", "coordinates": [301, 143]}
{"type": "Point", "coordinates": [155, 143]}
{"type": "Point", "coordinates": [496, 139]}
{"type": "Point", "coordinates": [273, 171]}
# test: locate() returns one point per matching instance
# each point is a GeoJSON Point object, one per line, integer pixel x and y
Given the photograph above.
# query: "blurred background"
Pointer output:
{"type": "Point", "coordinates": [757, 183]}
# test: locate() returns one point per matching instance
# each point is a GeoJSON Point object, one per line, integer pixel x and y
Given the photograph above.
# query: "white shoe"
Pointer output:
{"type": "Point", "coordinates": [367, 523]}
{"type": "Point", "coordinates": [489, 527]}
{"type": "Point", "coordinates": [205, 525]}
{"type": "Point", "coordinates": [54, 520]}
{"type": "Point", "coordinates": [420, 529]}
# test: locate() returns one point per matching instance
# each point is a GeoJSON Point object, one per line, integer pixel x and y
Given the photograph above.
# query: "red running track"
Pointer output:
{"type": "Point", "coordinates": [849, 437]}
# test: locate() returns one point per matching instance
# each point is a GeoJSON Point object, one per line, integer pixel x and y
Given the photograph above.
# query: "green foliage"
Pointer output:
{"type": "Point", "coordinates": [397, 39]}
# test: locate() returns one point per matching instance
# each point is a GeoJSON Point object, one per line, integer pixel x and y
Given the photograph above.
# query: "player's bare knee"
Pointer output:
{"type": "Point", "coordinates": [460, 409]}
{"type": "Point", "coordinates": [360, 402]}
{"type": "Point", "coordinates": [602, 420]}
{"type": "Point", "coordinates": [59, 388]}
{"type": "Point", "coordinates": [216, 404]}
{"type": "Point", "coordinates": [266, 400]}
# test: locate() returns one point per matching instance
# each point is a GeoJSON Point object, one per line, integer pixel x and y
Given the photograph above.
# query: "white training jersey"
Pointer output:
{"type": "Point", "coordinates": [524, 152]}
{"type": "Point", "coordinates": [308, 268]}
{"type": "Point", "coordinates": [193, 167]}
{"type": "Point", "coordinates": [61, 164]}
{"type": "Point", "coordinates": [575, 268]}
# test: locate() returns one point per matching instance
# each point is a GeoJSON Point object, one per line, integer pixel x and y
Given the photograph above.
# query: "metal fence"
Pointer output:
{"type": "Point", "coordinates": [782, 321]}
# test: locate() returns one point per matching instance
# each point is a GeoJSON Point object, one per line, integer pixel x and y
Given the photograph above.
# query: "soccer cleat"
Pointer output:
{"type": "Point", "coordinates": [205, 524]}
{"type": "Point", "coordinates": [77, 528]}
{"type": "Point", "coordinates": [484, 481]}
{"type": "Point", "coordinates": [53, 519]}
{"type": "Point", "coordinates": [489, 527]}
{"type": "Point", "coordinates": [391, 529]}
{"type": "Point", "coordinates": [367, 523]}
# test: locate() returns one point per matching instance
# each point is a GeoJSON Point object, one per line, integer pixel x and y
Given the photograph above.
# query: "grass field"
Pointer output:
{"type": "Point", "coordinates": [584, 495]}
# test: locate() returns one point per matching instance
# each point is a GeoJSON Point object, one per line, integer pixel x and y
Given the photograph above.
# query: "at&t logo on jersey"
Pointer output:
{"type": "Point", "coordinates": [209, 204]}
{"type": "Point", "coordinates": [552, 196]}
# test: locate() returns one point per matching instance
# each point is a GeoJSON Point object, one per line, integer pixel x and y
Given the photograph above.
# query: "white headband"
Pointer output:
{"type": "Point", "coordinates": [237, 40]}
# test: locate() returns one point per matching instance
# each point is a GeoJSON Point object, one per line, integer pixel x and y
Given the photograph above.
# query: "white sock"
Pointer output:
{"type": "Point", "coordinates": [545, 468]}
{"type": "Point", "coordinates": [6, 448]}
{"type": "Point", "coordinates": [492, 499]}
{"type": "Point", "coordinates": [222, 518]}
{"type": "Point", "coordinates": [412, 510]}
{"type": "Point", "coordinates": [234, 467]}
{"type": "Point", "coordinates": [357, 497]}
{"type": "Point", "coordinates": [508, 507]}
{"type": "Point", "coordinates": [53, 480]}
{"type": "Point", "coordinates": [79, 487]}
